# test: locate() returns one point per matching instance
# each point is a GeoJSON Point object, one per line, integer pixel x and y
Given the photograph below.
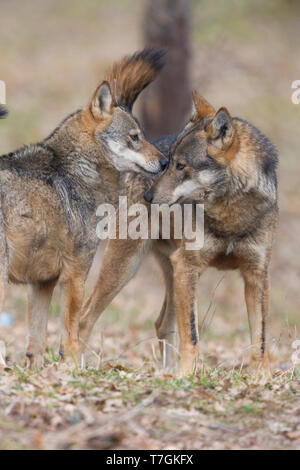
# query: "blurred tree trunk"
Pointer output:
{"type": "Point", "coordinates": [167, 102]}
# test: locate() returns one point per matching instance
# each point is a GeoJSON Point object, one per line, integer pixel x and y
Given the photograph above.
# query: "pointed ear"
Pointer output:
{"type": "Point", "coordinates": [220, 130]}
{"type": "Point", "coordinates": [102, 102]}
{"type": "Point", "coordinates": [201, 108]}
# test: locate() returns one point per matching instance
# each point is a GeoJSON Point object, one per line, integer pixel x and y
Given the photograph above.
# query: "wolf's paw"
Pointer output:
{"type": "Point", "coordinates": [186, 368]}
{"type": "Point", "coordinates": [261, 369]}
{"type": "Point", "coordinates": [72, 356]}
{"type": "Point", "coordinates": [34, 361]}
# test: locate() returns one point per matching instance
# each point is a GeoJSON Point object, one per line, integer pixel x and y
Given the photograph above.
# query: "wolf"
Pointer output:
{"type": "Point", "coordinates": [50, 192]}
{"type": "Point", "coordinates": [230, 166]}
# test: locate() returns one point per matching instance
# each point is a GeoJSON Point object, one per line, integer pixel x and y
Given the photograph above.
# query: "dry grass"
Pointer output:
{"type": "Point", "coordinates": [245, 57]}
{"type": "Point", "coordinates": [121, 407]}
{"type": "Point", "coordinates": [126, 401]}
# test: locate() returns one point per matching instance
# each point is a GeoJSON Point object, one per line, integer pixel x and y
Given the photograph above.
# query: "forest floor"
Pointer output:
{"type": "Point", "coordinates": [125, 400]}
{"type": "Point", "coordinates": [115, 406]}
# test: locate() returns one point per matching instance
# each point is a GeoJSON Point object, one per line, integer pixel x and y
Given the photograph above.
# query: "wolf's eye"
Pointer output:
{"type": "Point", "coordinates": [134, 137]}
{"type": "Point", "coordinates": [180, 166]}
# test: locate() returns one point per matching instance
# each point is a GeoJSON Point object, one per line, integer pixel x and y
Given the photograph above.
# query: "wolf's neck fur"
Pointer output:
{"type": "Point", "coordinates": [237, 215]}
{"type": "Point", "coordinates": [82, 178]}
{"type": "Point", "coordinates": [86, 168]}
{"type": "Point", "coordinates": [251, 185]}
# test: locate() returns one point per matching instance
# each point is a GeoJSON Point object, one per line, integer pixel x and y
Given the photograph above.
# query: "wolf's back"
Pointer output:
{"type": "Point", "coordinates": [132, 74]}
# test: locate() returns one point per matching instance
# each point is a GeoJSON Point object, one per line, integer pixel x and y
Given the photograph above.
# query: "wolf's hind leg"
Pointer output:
{"type": "Point", "coordinates": [3, 259]}
{"type": "Point", "coordinates": [73, 292]}
{"type": "Point", "coordinates": [39, 298]}
{"type": "Point", "coordinates": [3, 284]}
{"type": "Point", "coordinates": [121, 261]}
{"type": "Point", "coordinates": [165, 324]}
{"type": "Point", "coordinates": [257, 300]}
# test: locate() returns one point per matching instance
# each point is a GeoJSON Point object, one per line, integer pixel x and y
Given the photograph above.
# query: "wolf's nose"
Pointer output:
{"type": "Point", "coordinates": [148, 196]}
{"type": "Point", "coordinates": [163, 163]}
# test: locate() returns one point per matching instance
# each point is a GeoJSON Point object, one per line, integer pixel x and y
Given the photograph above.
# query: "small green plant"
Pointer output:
{"type": "Point", "coordinates": [52, 357]}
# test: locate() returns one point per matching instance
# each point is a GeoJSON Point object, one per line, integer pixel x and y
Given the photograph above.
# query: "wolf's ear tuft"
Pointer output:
{"type": "Point", "coordinates": [201, 108]}
{"type": "Point", "coordinates": [102, 102]}
{"type": "Point", "coordinates": [220, 130]}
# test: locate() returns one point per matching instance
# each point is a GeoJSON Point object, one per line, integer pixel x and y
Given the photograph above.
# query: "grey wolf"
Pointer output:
{"type": "Point", "coordinates": [50, 192]}
{"type": "Point", "coordinates": [229, 165]}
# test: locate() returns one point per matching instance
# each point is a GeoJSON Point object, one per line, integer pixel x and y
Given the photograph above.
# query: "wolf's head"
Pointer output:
{"type": "Point", "coordinates": [198, 158]}
{"type": "Point", "coordinates": [109, 121]}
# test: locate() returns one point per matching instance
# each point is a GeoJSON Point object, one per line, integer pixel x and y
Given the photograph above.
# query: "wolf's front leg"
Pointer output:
{"type": "Point", "coordinates": [257, 300]}
{"type": "Point", "coordinates": [121, 261]}
{"type": "Point", "coordinates": [165, 323]}
{"type": "Point", "coordinates": [73, 292]}
{"type": "Point", "coordinates": [39, 298]}
{"type": "Point", "coordinates": [185, 301]}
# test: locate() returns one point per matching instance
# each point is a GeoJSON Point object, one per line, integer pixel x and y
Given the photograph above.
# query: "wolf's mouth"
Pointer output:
{"type": "Point", "coordinates": [201, 196]}
{"type": "Point", "coordinates": [148, 172]}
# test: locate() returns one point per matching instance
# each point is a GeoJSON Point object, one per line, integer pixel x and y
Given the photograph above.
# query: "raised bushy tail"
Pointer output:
{"type": "Point", "coordinates": [132, 74]}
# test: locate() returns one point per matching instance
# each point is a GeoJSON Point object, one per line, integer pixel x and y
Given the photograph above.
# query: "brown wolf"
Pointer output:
{"type": "Point", "coordinates": [50, 192]}
{"type": "Point", "coordinates": [227, 163]}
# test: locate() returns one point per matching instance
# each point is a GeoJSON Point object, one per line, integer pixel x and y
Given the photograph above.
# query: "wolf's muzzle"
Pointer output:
{"type": "Point", "coordinates": [163, 163]}
{"type": "Point", "coordinates": [148, 196]}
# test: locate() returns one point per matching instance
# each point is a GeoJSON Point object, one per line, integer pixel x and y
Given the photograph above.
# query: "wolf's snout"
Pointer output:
{"type": "Point", "coordinates": [148, 196]}
{"type": "Point", "coordinates": [163, 163]}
